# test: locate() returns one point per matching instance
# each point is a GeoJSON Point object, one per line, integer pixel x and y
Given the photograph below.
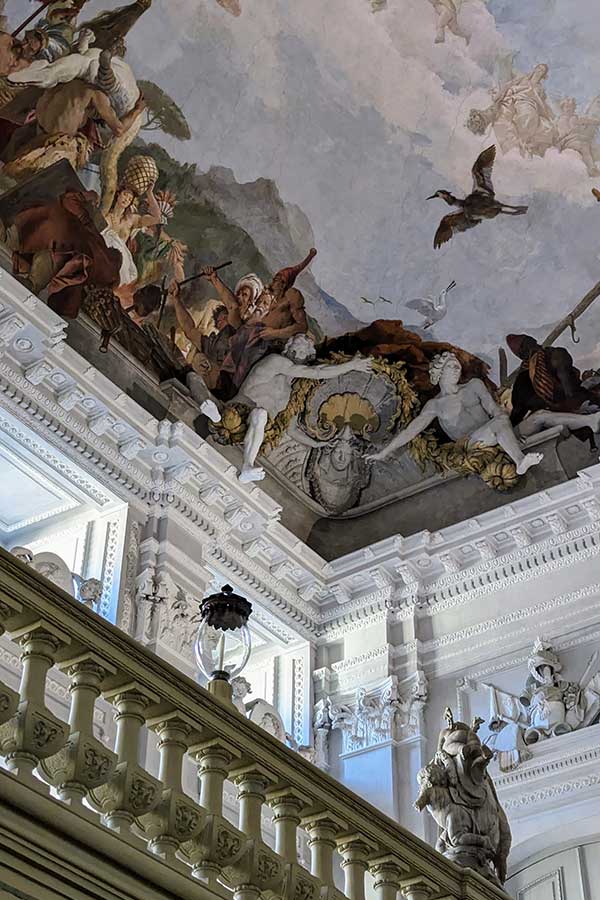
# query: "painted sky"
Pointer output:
{"type": "Point", "coordinates": [359, 117]}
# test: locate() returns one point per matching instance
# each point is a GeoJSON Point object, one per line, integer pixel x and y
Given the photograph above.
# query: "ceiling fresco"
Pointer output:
{"type": "Point", "coordinates": [363, 236]}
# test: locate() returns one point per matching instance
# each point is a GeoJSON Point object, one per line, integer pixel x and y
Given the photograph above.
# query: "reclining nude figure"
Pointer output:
{"type": "Point", "coordinates": [469, 411]}
{"type": "Point", "coordinates": [268, 388]}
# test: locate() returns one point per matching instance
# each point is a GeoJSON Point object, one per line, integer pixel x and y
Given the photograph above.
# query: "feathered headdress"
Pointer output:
{"type": "Point", "coordinates": [166, 201]}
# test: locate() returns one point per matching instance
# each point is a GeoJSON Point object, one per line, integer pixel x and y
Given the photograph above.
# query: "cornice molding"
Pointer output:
{"type": "Point", "coordinates": [562, 765]}
{"type": "Point", "coordinates": [162, 469]}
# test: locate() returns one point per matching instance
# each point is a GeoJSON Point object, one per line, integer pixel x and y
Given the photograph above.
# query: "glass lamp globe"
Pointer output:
{"type": "Point", "coordinates": [223, 644]}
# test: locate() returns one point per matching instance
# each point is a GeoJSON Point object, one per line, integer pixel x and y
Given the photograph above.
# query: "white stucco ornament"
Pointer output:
{"type": "Point", "coordinates": [548, 706]}
{"type": "Point", "coordinates": [458, 792]}
{"type": "Point", "coordinates": [87, 590]}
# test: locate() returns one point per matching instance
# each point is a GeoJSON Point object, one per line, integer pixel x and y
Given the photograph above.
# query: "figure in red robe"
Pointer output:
{"type": "Point", "coordinates": [58, 247]}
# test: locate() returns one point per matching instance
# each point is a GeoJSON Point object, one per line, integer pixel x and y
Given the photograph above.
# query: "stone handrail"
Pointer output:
{"type": "Point", "coordinates": [52, 629]}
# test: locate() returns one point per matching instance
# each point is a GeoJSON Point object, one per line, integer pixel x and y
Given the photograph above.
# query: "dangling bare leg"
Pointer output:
{"type": "Point", "coordinates": [257, 423]}
{"type": "Point", "coordinates": [200, 393]}
{"type": "Point", "coordinates": [502, 431]}
{"type": "Point", "coordinates": [545, 418]}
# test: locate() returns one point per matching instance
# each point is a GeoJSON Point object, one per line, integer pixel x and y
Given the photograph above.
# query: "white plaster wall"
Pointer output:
{"type": "Point", "coordinates": [572, 873]}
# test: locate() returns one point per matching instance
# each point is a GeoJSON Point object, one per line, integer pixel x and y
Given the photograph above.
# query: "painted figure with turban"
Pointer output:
{"type": "Point", "coordinates": [264, 319]}
{"type": "Point", "coordinates": [547, 379]}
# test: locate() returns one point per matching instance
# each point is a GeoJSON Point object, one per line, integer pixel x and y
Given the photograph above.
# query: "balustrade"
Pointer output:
{"type": "Point", "coordinates": [149, 811]}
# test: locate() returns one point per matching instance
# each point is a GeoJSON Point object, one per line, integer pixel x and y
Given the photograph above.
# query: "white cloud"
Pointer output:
{"type": "Point", "coordinates": [359, 117]}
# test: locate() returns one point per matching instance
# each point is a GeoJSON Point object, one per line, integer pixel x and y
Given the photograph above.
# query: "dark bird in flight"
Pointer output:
{"type": "Point", "coordinates": [370, 302]}
{"type": "Point", "coordinates": [383, 300]}
{"type": "Point", "coordinates": [480, 204]}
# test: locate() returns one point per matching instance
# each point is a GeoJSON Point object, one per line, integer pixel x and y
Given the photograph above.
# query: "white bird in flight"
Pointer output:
{"type": "Point", "coordinates": [433, 309]}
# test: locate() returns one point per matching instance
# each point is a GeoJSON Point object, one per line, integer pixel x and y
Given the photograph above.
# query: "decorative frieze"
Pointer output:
{"type": "Point", "coordinates": [392, 711]}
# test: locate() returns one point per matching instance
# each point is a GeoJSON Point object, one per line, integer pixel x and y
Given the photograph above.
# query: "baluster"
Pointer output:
{"type": "Point", "coordinates": [177, 818]}
{"type": "Point", "coordinates": [219, 843]}
{"type": "Point", "coordinates": [354, 851]}
{"type": "Point", "coordinates": [84, 763]}
{"type": "Point", "coordinates": [33, 733]}
{"type": "Point", "coordinates": [287, 806]}
{"type": "Point", "coordinates": [214, 760]}
{"type": "Point", "coordinates": [322, 830]}
{"type": "Point", "coordinates": [252, 783]}
{"type": "Point", "coordinates": [260, 869]}
{"type": "Point", "coordinates": [131, 792]}
{"type": "Point", "coordinates": [387, 874]}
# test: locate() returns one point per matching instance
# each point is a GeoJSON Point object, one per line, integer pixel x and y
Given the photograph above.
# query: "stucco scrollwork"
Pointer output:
{"type": "Point", "coordinates": [391, 712]}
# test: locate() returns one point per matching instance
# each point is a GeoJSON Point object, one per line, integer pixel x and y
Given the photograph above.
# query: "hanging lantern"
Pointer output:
{"type": "Point", "coordinates": [223, 644]}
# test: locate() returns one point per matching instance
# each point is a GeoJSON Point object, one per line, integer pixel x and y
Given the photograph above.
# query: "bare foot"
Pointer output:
{"type": "Point", "coordinates": [529, 460]}
{"type": "Point", "coordinates": [250, 473]}
{"type": "Point", "coordinates": [210, 410]}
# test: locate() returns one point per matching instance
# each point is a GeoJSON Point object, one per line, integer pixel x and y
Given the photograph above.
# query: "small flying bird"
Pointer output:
{"type": "Point", "coordinates": [375, 302]}
{"type": "Point", "coordinates": [433, 309]}
{"type": "Point", "coordinates": [480, 204]}
{"type": "Point", "coordinates": [596, 194]}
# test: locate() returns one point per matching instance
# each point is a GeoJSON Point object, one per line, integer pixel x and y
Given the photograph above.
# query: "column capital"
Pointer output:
{"type": "Point", "coordinates": [242, 772]}
{"type": "Point", "coordinates": [42, 632]}
{"type": "Point", "coordinates": [87, 667]}
{"type": "Point", "coordinates": [418, 887]}
{"type": "Point", "coordinates": [173, 726]}
{"type": "Point", "coordinates": [132, 694]}
{"type": "Point", "coordinates": [388, 870]}
{"type": "Point", "coordinates": [294, 800]}
{"type": "Point", "coordinates": [216, 749]}
{"type": "Point", "coordinates": [354, 848]}
{"type": "Point", "coordinates": [324, 822]}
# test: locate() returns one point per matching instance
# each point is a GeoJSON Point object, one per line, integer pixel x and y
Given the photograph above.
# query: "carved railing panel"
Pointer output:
{"type": "Point", "coordinates": [113, 785]}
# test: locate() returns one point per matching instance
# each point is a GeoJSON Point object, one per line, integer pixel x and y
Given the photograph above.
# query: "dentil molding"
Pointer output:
{"type": "Point", "coordinates": [159, 467]}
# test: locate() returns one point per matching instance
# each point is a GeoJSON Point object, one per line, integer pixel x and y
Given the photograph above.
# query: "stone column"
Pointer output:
{"type": "Point", "coordinates": [252, 783]}
{"type": "Point", "coordinates": [83, 763]}
{"type": "Point", "coordinates": [131, 792]}
{"type": "Point", "coordinates": [355, 852]}
{"type": "Point", "coordinates": [287, 807]}
{"type": "Point", "coordinates": [387, 872]}
{"type": "Point", "coordinates": [177, 818]}
{"type": "Point", "coordinates": [219, 844]}
{"type": "Point", "coordinates": [9, 699]}
{"type": "Point", "coordinates": [33, 733]}
{"type": "Point", "coordinates": [214, 761]}
{"type": "Point", "coordinates": [322, 831]}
